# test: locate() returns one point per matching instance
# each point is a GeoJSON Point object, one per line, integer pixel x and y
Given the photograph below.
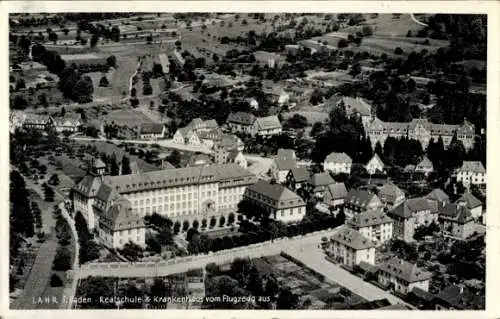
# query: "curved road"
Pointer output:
{"type": "Point", "coordinates": [412, 15]}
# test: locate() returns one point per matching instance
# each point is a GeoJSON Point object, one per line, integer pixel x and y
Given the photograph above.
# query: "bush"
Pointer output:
{"type": "Point", "coordinates": [62, 261]}
{"type": "Point", "coordinates": [55, 281]}
{"type": "Point", "coordinates": [398, 51]}
{"type": "Point", "coordinates": [104, 82]}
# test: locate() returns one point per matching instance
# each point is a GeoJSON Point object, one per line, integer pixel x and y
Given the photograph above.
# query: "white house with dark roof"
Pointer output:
{"type": "Point", "coordinates": [241, 122]}
{"type": "Point", "coordinates": [391, 195]}
{"type": "Point", "coordinates": [439, 196]}
{"type": "Point", "coordinates": [349, 247]}
{"type": "Point", "coordinates": [358, 201]}
{"type": "Point", "coordinates": [297, 177]}
{"type": "Point", "coordinates": [337, 163]}
{"type": "Point", "coordinates": [425, 166]}
{"type": "Point", "coordinates": [356, 106]}
{"type": "Point", "coordinates": [267, 126]}
{"type": "Point", "coordinates": [152, 131]}
{"type": "Point", "coordinates": [375, 165]}
{"type": "Point", "coordinates": [281, 203]}
{"type": "Point", "coordinates": [334, 196]}
{"type": "Point", "coordinates": [186, 136]}
{"type": "Point", "coordinates": [401, 276]}
{"type": "Point", "coordinates": [67, 124]}
{"type": "Point", "coordinates": [284, 161]}
{"type": "Point", "coordinates": [37, 121]}
{"type": "Point", "coordinates": [411, 214]}
{"type": "Point", "coordinates": [472, 173]}
{"type": "Point", "coordinates": [374, 225]}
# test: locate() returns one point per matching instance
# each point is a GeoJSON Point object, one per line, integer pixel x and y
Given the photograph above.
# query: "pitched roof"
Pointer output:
{"type": "Point", "coordinates": [199, 124]}
{"type": "Point", "coordinates": [148, 128]}
{"type": "Point", "coordinates": [473, 166]}
{"type": "Point", "coordinates": [89, 185]}
{"type": "Point", "coordinates": [106, 193]}
{"type": "Point", "coordinates": [179, 177]}
{"type": "Point", "coordinates": [277, 192]}
{"type": "Point", "coordinates": [410, 206]}
{"type": "Point", "coordinates": [300, 174]}
{"type": "Point", "coordinates": [335, 191]}
{"type": "Point", "coordinates": [461, 299]}
{"type": "Point", "coordinates": [229, 141]}
{"type": "Point", "coordinates": [376, 158]}
{"type": "Point", "coordinates": [470, 200]}
{"type": "Point", "coordinates": [438, 194]}
{"type": "Point", "coordinates": [425, 162]}
{"type": "Point", "coordinates": [370, 218]}
{"type": "Point", "coordinates": [360, 198]}
{"type": "Point", "coordinates": [120, 216]}
{"type": "Point", "coordinates": [351, 238]}
{"type": "Point", "coordinates": [241, 118]}
{"type": "Point", "coordinates": [358, 105]}
{"type": "Point", "coordinates": [233, 153]}
{"type": "Point", "coordinates": [422, 294]}
{"type": "Point", "coordinates": [404, 270]}
{"type": "Point", "coordinates": [268, 122]}
{"type": "Point", "coordinates": [338, 158]}
{"type": "Point", "coordinates": [321, 179]}
{"type": "Point", "coordinates": [285, 159]}
{"type": "Point", "coordinates": [457, 213]}
{"type": "Point", "coordinates": [98, 163]}
{"type": "Point", "coordinates": [390, 192]}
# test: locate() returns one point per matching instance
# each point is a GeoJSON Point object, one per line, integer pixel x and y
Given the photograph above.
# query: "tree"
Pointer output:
{"type": "Point", "coordinates": [125, 168]}
{"type": "Point", "coordinates": [409, 34]}
{"type": "Point", "coordinates": [114, 168]}
{"type": "Point", "coordinates": [174, 158]}
{"type": "Point", "coordinates": [104, 81]}
{"type": "Point", "coordinates": [54, 180]}
{"type": "Point", "coordinates": [378, 149]}
{"type": "Point", "coordinates": [83, 90]}
{"type": "Point", "coordinates": [49, 194]}
{"type": "Point", "coordinates": [62, 260]}
{"type": "Point", "coordinates": [55, 281]}
{"type": "Point", "coordinates": [53, 37]}
{"type": "Point", "coordinates": [20, 103]}
{"type": "Point", "coordinates": [367, 31]}
{"type": "Point", "coordinates": [131, 251]}
{"type": "Point", "coordinates": [20, 84]}
{"type": "Point", "coordinates": [147, 89]}
{"type": "Point", "coordinates": [357, 40]}
{"type": "Point", "coordinates": [287, 299]}
{"type": "Point", "coordinates": [93, 40]}
{"type": "Point", "coordinates": [398, 51]}
{"type": "Point", "coordinates": [342, 43]}
{"type": "Point", "coordinates": [21, 218]}
{"type": "Point", "coordinates": [111, 61]}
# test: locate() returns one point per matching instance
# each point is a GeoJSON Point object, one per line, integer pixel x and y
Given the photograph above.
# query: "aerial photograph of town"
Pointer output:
{"type": "Point", "coordinates": [204, 160]}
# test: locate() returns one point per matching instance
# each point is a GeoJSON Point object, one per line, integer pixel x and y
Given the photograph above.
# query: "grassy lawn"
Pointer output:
{"type": "Point", "coordinates": [128, 117]}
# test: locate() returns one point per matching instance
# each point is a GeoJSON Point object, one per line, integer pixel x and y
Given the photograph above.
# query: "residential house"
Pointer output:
{"type": "Point", "coordinates": [424, 166]}
{"type": "Point", "coordinates": [198, 125]}
{"type": "Point", "coordinates": [241, 122]}
{"type": "Point", "coordinates": [472, 173]}
{"type": "Point", "coordinates": [472, 203]}
{"type": "Point", "coordinates": [374, 225]}
{"type": "Point", "coordinates": [16, 120]}
{"type": "Point", "coordinates": [229, 141]}
{"type": "Point", "coordinates": [297, 177]}
{"type": "Point", "coordinates": [349, 247]}
{"type": "Point", "coordinates": [276, 92]}
{"type": "Point", "coordinates": [237, 157]}
{"type": "Point", "coordinates": [67, 124]}
{"type": "Point", "coordinates": [186, 136]}
{"type": "Point", "coordinates": [267, 126]}
{"type": "Point", "coordinates": [459, 297]}
{"type": "Point", "coordinates": [391, 195]}
{"type": "Point", "coordinates": [439, 196]}
{"type": "Point", "coordinates": [318, 184]}
{"type": "Point", "coordinates": [410, 215]}
{"type": "Point", "coordinates": [38, 122]}
{"type": "Point", "coordinates": [457, 221]}
{"type": "Point", "coordinates": [284, 161]}
{"type": "Point", "coordinates": [335, 196]}
{"type": "Point", "coordinates": [402, 276]}
{"type": "Point", "coordinates": [375, 165]}
{"type": "Point", "coordinates": [358, 201]}
{"type": "Point", "coordinates": [337, 163]}
{"type": "Point", "coordinates": [422, 299]}
{"type": "Point", "coordinates": [209, 138]}
{"type": "Point", "coordinates": [281, 203]}
{"type": "Point", "coordinates": [152, 131]}
{"type": "Point", "coordinates": [356, 107]}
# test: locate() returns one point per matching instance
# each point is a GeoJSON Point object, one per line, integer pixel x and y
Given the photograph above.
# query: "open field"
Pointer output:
{"type": "Point", "coordinates": [386, 25]}
{"type": "Point", "coordinates": [101, 93]}
{"type": "Point", "coordinates": [127, 117]}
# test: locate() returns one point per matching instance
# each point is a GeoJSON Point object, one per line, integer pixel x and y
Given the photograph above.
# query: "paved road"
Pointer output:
{"type": "Point", "coordinates": [314, 258]}
{"type": "Point", "coordinates": [38, 278]}
{"type": "Point", "coordinates": [168, 143]}
{"type": "Point", "coordinates": [416, 21]}
{"type": "Point", "coordinates": [260, 165]}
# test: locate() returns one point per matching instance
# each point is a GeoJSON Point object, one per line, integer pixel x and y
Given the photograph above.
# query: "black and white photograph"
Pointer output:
{"type": "Point", "coordinates": [266, 160]}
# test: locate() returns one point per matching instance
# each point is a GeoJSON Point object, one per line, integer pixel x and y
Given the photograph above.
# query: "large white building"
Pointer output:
{"type": "Point", "coordinates": [338, 163]}
{"type": "Point", "coordinates": [199, 193]}
{"type": "Point", "coordinates": [349, 247]}
{"type": "Point", "coordinates": [374, 225]}
{"type": "Point", "coordinates": [282, 204]}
